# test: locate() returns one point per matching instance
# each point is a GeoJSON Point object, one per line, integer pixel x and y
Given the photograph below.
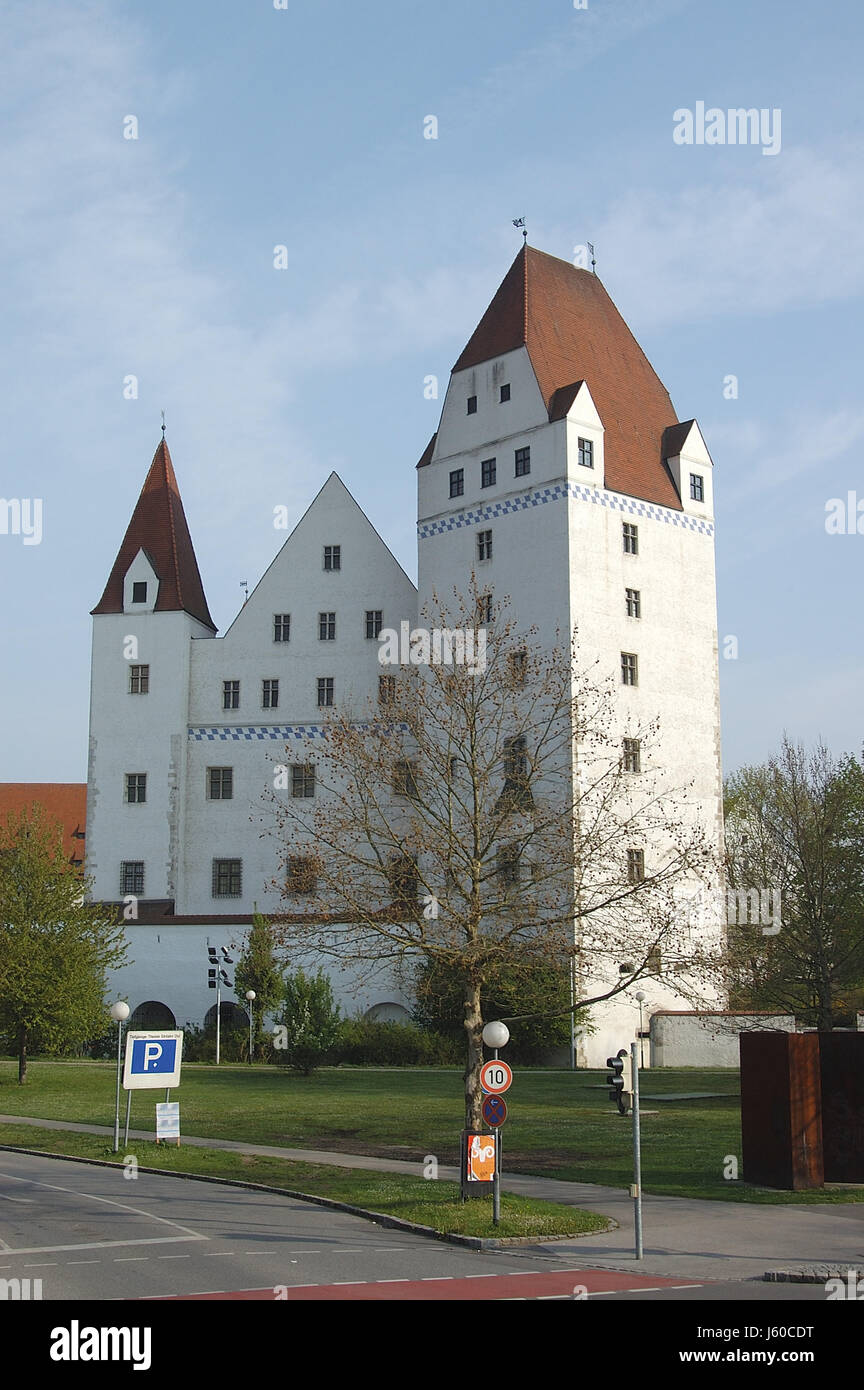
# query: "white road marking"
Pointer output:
{"type": "Point", "coordinates": [130, 1259]}
{"type": "Point", "coordinates": [102, 1245]}
{"type": "Point", "coordinates": [45, 1264]}
{"type": "Point", "coordinates": [173, 1257]}
{"type": "Point", "coordinates": [80, 1262]}
{"type": "Point", "coordinates": [108, 1201]}
{"type": "Point", "coordinates": [28, 1200]}
{"type": "Point", "coordinates": [391, 1281]}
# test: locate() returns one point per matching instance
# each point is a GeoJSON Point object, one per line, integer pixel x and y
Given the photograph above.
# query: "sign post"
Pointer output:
{"type": "Point", "coordinates": [636, 1190]}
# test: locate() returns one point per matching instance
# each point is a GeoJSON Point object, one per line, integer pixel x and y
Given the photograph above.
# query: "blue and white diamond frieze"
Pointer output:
{"type": "Point", "coordinates": [578, 492]}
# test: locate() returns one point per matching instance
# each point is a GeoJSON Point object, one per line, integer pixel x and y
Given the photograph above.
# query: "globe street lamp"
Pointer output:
{"type": "Point", "coordinates": [640, 997]}
{"type": "Point", "coordinates": [496, 1035]}
{"type": "Point", "coordinates": [250, 995]}
{"type": "Point", "coordinates": [119, 1012]}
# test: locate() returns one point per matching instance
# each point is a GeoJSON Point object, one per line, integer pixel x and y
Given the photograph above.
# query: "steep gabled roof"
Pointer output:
{"type": "Point", "coordinates": [65, 802]}
{"type": "Point", "coordinates": [573, 332]}
{"type": "Point", "coordinates": [159, 528]}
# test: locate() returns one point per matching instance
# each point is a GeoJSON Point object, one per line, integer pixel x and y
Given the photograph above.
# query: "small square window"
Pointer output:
{"type": "Point", "coordinates": [508, 865]}
{"type": "Point", "coordinates": [631, 538]}
{"type": "Point", "coordinates": [457, 482]}
{"type": "Point", "coordinates": [505, 393]}
{"type": "Point", "coordinates": [281, 627]}
{"type": "Point", "coordinates": [139, 680]}
{"type": "Point", "coordinates": [301, 876]}
{"type": "Point", "coordinates": [519, 667]}
{"type": "Point", "coordinates": [325, 691]}
{"type": "Point", "coordinates": [487, 473]}
{"type": "Point", "coordinates": [136, 787]}
{"type": "Point", "coordinates": [697, 487]}
{"type": "Point", "coordinates": [270, 694]}
{"type": "Point", "coordinates": [132, 878]}
{"type": "Point", "coordinates": [302, 779]}
{"type": "Point", "coordinates": [220, 783]}
{"type": "Point", "coordinates": [326, 627]}
{"type": "Point", "coordinates": [227, 878]}
{"type": "Point", "coordinates": [386, 690]}
{"type": "Point", "coordinates": [230, 694]}
{"type": "Point", "coordinates": [139, 591]}
{"type": "Point", "coordinates": [632, 760]}
{"type": "Point", "coordinates": [634, 603]}
{"type": "Point", "coordinates": [332, 557]}
{"type": "Point", "coordinates": [472, 405]}
{"type": "Point", "coordinates": [635, 865]}
{"type": "Point", "coordinates": [484, 545]}
{"type": "Point", "coordinates": [523, 462]}
{"type": "Point", "coordinates": [373, 622]}
{"type": "Point", "coordinates": [586, 453]}
{"type": "Point", "coordinates": [629, 668]}
{"type": "Point", "coordinates": [405, 779]}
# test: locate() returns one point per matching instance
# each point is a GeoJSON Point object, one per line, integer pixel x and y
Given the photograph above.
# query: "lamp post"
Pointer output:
{"type": "Point", "coordinates": [250, 995]}
{"type": "Point", "coordinates": [496, 1035]}
{"type": "Point", "coordinates": [640, 998]}
{"type": "Point", "coordinates": [119, 1012]}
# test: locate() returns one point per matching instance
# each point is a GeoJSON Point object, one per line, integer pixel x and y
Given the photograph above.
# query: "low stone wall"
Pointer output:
{"type": "Point", "coordinates": [707, 1039]}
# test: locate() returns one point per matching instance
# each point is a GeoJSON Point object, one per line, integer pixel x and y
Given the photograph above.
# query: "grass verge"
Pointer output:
{"type": "Point", "coordinates": [427, 1203]}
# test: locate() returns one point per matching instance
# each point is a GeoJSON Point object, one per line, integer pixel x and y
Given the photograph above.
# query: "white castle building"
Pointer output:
{"type": "Point", "coordinates": [559, 471]}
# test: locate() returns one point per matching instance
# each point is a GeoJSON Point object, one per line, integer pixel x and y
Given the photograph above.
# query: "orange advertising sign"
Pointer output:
{"type": "Point", "coordinates": [481, 1157]}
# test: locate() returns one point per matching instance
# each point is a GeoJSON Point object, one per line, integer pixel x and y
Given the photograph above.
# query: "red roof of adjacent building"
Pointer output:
{"type": "Point", "coordinates": [63, 801]}
{"type": "Point", "coordinates": [159, 528]}
{"type": "Point", "coordinates": [573, 332]}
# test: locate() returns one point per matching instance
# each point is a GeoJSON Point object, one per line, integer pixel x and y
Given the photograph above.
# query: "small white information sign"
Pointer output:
{"type": "Point", "coordinates": [168, 1121]}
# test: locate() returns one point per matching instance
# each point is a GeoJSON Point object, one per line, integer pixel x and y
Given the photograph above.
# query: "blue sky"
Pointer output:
{"type": "Point", "coordinates": [304, 127]}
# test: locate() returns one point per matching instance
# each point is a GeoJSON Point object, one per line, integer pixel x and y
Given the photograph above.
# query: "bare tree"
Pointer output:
{"type": "Point", "coordinates": [484, 812]}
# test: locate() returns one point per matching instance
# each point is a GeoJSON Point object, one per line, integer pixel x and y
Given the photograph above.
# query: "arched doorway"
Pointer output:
{"type": "Point", "coordinates": [152, 1015]}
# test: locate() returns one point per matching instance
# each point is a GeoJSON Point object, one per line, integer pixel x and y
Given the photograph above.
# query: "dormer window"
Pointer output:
{"type": "Point", "coordinates": [505, 393]}
{"type": "Point", "coordinates": [139, 591]}
{"type": "Point", "coordinates": [697, 488]}
{"type": "Point", "coordinates": [586, 453]}
{"type": "Point", "coordinates": [472, 405]}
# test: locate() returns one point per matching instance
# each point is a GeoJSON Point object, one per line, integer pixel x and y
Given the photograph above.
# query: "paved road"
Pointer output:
{"type": "Point", "coordinates": [89, 1233]}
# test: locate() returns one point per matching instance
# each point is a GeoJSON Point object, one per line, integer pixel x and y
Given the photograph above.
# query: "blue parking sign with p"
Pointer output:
{"type": "Point", "coordinates": [153, 1059]}
{"type": "Point", "coordinates": [152, 1055]}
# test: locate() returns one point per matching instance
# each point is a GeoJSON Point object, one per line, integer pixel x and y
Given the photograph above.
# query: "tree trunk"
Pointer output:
{"type": "Point", "coordinates": [474, 1060]}
{"type": "Point", "coordinates": [22, 1055]}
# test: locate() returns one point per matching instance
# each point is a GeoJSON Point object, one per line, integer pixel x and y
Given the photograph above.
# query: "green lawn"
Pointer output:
{"type": "Point", "coordinates": [558, 1125]}
{"type": "Point", "coordinates": [434, 1204]}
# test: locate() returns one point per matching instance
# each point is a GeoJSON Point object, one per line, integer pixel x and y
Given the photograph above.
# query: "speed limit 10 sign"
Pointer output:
{"type": "Point", "coordinates": [495, 1077]}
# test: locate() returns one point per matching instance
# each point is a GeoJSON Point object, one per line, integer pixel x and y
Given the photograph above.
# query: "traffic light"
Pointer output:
{"type": "Point", "coordinates": [618, 1080]}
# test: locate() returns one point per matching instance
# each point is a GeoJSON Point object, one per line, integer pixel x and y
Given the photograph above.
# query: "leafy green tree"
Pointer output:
{"type": "Point", "coordinates": [534, 992]}
{"type": "Point", "coordinates": [309, 1021]}
{"type": "Point", "coordinates": [795, 829]}
{"type": "Point", "coordinates": [257, 969]}
{"type": "Point", "coordinates": [55, 948]}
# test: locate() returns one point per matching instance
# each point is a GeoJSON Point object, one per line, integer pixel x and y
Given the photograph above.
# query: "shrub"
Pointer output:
{"type": "Point", "coordinates": [308, 1022]}
{"type": "Point", "coordinates": [364, 1043]}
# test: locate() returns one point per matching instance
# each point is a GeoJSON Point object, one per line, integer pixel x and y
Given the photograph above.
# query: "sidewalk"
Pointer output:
{"type": "Point", "coordinates": [683, 1236]}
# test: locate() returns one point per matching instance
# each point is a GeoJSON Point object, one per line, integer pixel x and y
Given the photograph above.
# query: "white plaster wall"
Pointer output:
{"type": "Point", "coordinates": [707, 1040]}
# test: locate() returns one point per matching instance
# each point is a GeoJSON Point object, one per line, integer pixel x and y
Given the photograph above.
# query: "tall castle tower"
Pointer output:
{"type": "Point", "coordinates": [559, 476]}
{"type": "Point", "coordinates": [562, 479]}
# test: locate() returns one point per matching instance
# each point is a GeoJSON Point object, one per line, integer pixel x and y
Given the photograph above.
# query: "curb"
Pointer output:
{"type": "Point", "coordinates": [813, 1274]}
{"type": "Point", "coordinates": [393, 1223]}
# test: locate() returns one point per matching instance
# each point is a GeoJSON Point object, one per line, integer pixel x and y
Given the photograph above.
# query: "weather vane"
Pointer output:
{"type": "Point", "coordinates": [244, 585]}
{"type": "Point", "coordinates": [520, 222]}
{"type": "Point", "coordinates": [593, 262]}
{"type": "Point", "coordinates": [163, 424]}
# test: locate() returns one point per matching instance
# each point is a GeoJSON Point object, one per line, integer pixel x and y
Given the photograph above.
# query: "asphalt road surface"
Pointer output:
{"type": "Point", "coordinates": [89, 1233]}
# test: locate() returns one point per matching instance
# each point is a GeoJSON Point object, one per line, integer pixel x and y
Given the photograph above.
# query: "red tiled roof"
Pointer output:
{"type": "Point", "coordinates": [63, 801]}
{"type": "Point", "coordinates": [159, 528]}
{"type": "Point", "coordinates": [573, 332]}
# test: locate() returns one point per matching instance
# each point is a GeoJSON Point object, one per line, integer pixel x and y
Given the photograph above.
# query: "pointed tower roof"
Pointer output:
{"type": "Point", "coordinates": [159, 528]}
{"type": "Point", "coordinates": [573, 332]}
